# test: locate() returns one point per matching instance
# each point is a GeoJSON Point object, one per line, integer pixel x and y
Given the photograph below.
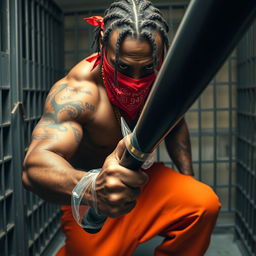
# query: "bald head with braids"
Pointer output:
{"type": "Point", "coordinates": [138, 19]}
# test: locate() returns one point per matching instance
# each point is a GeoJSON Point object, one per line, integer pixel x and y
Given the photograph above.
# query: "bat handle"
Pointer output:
{"type": "Point", "coordinates": [93, 221]}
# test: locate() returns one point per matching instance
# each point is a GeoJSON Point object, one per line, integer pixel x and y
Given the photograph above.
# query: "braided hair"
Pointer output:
{"type": "Point", "coordinates": [136, 18]}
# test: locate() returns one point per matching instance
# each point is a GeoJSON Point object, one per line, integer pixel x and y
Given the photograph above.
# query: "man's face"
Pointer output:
{"type": "Point", "coordinates": [135, 58]}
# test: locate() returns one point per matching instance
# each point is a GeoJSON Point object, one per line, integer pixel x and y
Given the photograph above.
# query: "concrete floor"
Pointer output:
{"type": "Point", "coordinates": [221, 245]}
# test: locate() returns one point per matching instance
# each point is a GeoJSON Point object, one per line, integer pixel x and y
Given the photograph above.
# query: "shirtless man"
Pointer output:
{"type": "Point", "coordinates": [80, 131]}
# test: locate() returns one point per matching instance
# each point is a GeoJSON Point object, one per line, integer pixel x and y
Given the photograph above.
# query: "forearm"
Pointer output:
{"type": "Point", "coordinates": [179, 148]}
{"type": "Point", "coordinates": [50, 176]}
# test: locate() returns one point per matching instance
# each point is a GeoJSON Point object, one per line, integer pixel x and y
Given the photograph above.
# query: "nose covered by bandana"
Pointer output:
{"type": "Point", "coordinates": [128, 93]}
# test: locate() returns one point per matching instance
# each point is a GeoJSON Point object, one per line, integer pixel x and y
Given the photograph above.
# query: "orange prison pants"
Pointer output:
{"type": "Point", "coordinates": [177, 207]}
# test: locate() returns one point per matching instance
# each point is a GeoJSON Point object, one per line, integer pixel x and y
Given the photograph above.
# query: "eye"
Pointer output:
{"type": "Point", "coordinates": [122, 66]}
{"type": "Point", "coordinates": [149, 67]}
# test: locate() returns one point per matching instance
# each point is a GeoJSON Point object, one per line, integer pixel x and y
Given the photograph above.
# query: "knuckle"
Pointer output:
{"type": "Point", "coordinates": [115, 199]}
{"type": "Point", "coordinates": [110, 169]}
{"type": "Point", "coordinates": [113, 184]}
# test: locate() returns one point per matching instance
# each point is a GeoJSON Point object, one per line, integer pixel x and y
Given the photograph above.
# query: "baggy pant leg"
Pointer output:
{"type": "Point", "coordinates": [177, 207]}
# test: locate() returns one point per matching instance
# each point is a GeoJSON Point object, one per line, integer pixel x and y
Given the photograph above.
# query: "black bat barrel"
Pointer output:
{"type": "Point", "coordinates": [208, 33]}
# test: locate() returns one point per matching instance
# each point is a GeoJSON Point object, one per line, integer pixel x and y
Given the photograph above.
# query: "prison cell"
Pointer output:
{"type": "Point", "coordinates": [246, 143]}
{"type": "Point", "coordinates": [33, 57]}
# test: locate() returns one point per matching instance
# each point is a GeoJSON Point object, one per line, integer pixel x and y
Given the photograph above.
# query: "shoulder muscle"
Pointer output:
{"type": "Point", "coordinates": [70, 100]}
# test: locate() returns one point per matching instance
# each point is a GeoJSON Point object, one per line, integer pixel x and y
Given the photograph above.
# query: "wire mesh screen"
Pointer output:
{"type": "Point", "coordinates": [7, 197]}
{"type": "Point", "coordinates": [246, 143]}
{"type": "Point", "coordinates": [42, 50]}
{"type": "Point", "coordinates": [211, 119]}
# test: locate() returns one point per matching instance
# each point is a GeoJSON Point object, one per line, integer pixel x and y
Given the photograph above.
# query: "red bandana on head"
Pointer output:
{"type": "Point", "coordinates": [130, 93]}
{"type": "Point", "coordinates": [96, 21]}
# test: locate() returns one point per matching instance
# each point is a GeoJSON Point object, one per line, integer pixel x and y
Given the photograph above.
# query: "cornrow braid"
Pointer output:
{"type": "Point", "coordinates": [119, 5]}
{"type": "Point", "coordinates": [138, 19]}
{"type": "Point", "coordinates": [112, 16]}
{"type": "Point", "coordinates": [121, 23]}
{"type": "Point", "coordinates": [122, 34]}
{"type": "Point", "coordinates": [148, 36]}
{"type": "Point", "coordinates": [159, 18]}
{"type": "Point", "coordinates": [144, 5]}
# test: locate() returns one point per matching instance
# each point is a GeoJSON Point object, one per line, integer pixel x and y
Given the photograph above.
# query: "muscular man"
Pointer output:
{"type": "Point", "coordinates": [80, 131]}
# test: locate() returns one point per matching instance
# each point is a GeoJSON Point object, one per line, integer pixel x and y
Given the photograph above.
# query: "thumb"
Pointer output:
{"type": "Point", "coordinates": [120, 148]}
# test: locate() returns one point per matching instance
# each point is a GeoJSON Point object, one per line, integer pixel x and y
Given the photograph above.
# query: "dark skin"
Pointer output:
{"type": "Point", "coordinates": [79, 132]}
{"type": "Point", "coordinates": [179, 148]}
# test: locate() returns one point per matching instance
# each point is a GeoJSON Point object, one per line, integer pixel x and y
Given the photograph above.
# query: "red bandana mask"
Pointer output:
{"type": "Point", "coordinates": [129, 94]}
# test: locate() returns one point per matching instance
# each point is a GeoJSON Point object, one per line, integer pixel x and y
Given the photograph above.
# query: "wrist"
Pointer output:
{"type": "Point", "coordinates": [187, 171]}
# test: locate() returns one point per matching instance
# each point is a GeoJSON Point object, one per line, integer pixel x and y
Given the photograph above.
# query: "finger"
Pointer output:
{"type": "Point", "coordinates": [134, 179]}
{"type": "Point", "coordinates": [113, 184]}
{"type": "Point", "coordinates": [117, 199]}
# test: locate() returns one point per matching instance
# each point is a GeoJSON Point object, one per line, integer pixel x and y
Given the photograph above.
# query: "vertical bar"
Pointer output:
{"type": "Point", "coordinates": [16, 124]}
{"type": "Point", "coordinates": [170, 22]}
{"type": "Point", "coordinates": [214, 135]}
{"type": "Point", "coordinates": [230, 136]}
{"type": "Point", "coordinates": [199, 140]}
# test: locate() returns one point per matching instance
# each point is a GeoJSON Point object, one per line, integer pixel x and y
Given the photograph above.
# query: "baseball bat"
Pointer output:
{"type": "Point", "coordinates": [206, 36]}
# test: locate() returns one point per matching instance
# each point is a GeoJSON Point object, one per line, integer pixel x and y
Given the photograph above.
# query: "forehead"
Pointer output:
{"type": "Point", "coordinates": [132, 47]}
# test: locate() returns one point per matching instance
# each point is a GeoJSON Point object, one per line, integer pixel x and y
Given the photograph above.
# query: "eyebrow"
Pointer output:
{"type": "Point", "coordinates": [122, 62]}
{"type": "Point", "coordinates": [125, 63]}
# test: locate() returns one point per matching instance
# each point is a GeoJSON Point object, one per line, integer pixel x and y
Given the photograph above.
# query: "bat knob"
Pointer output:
{"type": "Point", "coordinates": [93, 221]}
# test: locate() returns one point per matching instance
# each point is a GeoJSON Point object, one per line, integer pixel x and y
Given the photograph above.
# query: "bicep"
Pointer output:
{"type": "Point", "coordinates": [68, 106]}
{"type": "Point", "coordinates": [62, 138]}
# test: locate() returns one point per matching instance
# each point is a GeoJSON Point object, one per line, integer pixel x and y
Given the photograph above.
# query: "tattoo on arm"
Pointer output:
{"type": "Point", "coordinates": [45, 130]}
{"type": "Point", "coordinates": [44, 136]}
{"type": "Point", "coordinates": [77, 134]}
{"type": "Point", "coordinates": [73, 109]}
{"type": "Point", "coordinates": [49, 121]}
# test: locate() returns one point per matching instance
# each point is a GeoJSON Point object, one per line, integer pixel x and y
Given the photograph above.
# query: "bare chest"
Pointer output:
{"type": "Point", "coordinates": [99, 140]}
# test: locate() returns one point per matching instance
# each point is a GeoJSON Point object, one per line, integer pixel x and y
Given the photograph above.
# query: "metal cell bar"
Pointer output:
{"type": "Point", "coordinates": [215, 136]}
{"type": "Point", "coordinates": [230, 137]}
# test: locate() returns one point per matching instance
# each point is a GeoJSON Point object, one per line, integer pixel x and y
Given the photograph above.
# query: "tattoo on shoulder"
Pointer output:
{"type": "Point", "coordinates": [45, 136]}
{"type": "Point", "coordinates": [74, 109]}
{"type": "Point", "coordinates": [79, 91]}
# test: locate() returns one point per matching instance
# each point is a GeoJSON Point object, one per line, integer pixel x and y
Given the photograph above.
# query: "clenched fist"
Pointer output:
{"type": "Point", "coordinates": [118, 187]}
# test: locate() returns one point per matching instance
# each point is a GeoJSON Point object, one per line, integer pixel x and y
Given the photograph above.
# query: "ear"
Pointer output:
{"type": "Point", "coordinates": [101, 38]}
